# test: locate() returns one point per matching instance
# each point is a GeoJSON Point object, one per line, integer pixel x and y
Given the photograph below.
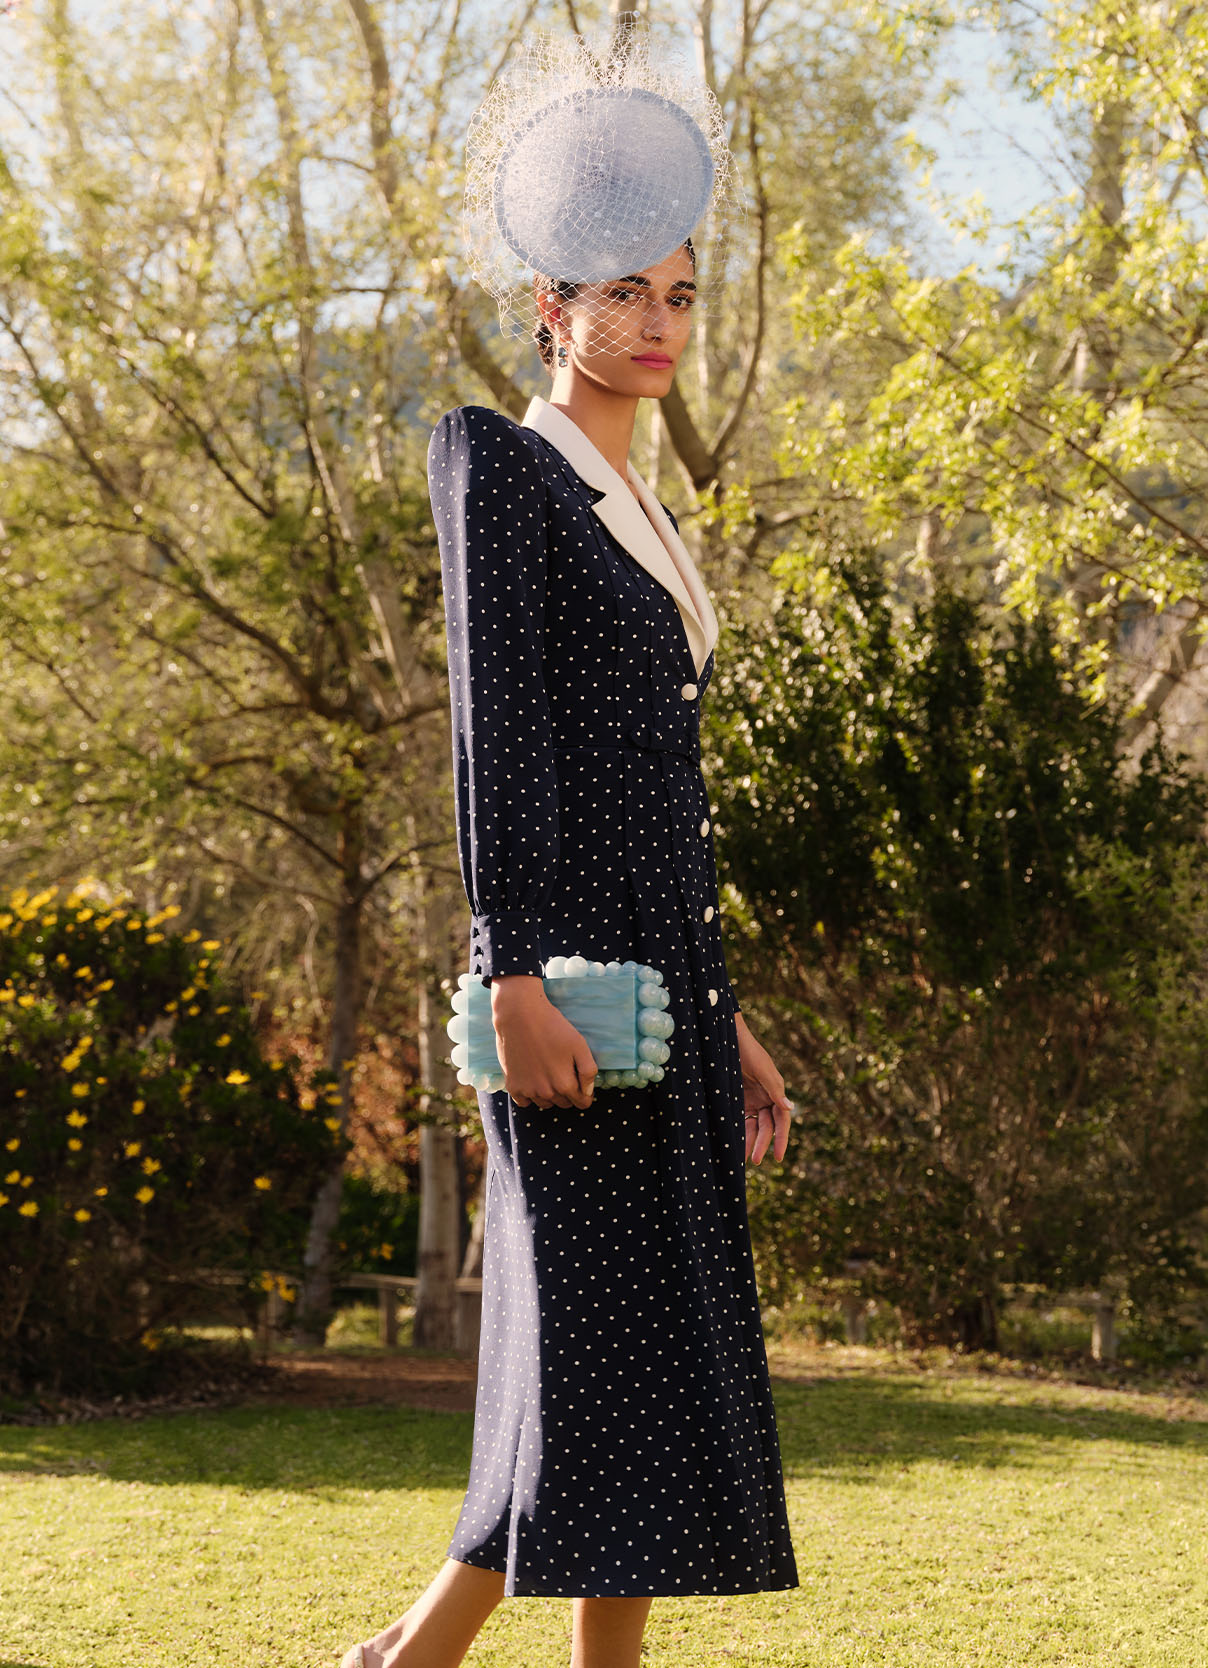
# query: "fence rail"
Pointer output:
{"type": "Point", "coordinates": [1102, 1307]}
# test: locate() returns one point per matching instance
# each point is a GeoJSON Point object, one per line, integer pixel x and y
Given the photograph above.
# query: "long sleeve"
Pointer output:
{"type": "Point", "coordinates": [488, 501]}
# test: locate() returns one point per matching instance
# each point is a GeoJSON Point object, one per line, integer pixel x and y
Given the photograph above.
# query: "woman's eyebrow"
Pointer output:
{"type": "Point", "coordinates": [637, 278]}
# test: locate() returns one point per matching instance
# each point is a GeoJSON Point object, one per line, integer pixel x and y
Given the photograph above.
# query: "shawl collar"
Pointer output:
{"type": "Point", "coordinates": [649, 538]}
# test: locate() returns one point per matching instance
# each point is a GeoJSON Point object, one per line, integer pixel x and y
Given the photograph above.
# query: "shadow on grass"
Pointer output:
{"type": "Point", "coordinates": [854, 1428]}
{"type": "Point", "coordinates": [858, 1427]}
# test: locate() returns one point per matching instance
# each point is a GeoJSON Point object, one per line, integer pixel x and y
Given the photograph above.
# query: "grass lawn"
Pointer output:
{"type": "Point", "coordinates": [941, 1518]}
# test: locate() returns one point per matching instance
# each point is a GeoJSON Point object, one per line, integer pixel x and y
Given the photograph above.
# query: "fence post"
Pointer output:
{"type": "Point", "coordinates": [855, 1318]}
{"type": "Point", "coordinates": [387, 1316]}
{"type": "Point", "coordinates": [1103, 1329]}
{"type": "Point", "coordinates": [272, 1314]}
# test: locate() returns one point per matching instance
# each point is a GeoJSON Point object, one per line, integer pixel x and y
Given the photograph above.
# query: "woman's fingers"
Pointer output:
{"type": "Point", "coordinates": [768, 1128]}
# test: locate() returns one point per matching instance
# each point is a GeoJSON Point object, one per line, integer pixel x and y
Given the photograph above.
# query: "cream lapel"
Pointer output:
{"type": "Point", "coordinates": [663, 553]}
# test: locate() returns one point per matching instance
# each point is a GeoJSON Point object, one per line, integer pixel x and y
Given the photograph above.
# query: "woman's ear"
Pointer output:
{"type": "Point", "coordinates": [548, 308]}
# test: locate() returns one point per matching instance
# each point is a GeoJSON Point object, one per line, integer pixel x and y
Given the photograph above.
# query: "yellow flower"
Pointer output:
{"type": "Point", "coordinates": [11, 1146]}
{"type": "Point", "coordinates": [134, 924]}
{"type": "Point", "coordinates": [332, 1123]}
{"type": "Point", "coordinates": [155, 938]}
{"type": "Point", "coordinates": [386, 1251]}
{"type": "Point", "coordinates": [151, 1165]}
{"type": "Point", "coordinates": [13, 1177]}
{"type": "Point", "coordinates": [26, 1001]}
{"type": "Point", "coordinates": [105, 984]}
{"type": "Point", "coordinates": [186, 994]}
{"type": "Point", "coordinates": [212, 944]}
{"type": "Point", "coordinates": [225, 1009]}
{"type": "Point", "coordinates": [29, 1208]}
{"type": "Point", "coordinates": [83, 1215]}
{"type": "Point", "coordinates": [79, 1090]}
{"type": "Point", "coordinates": [138, 1107]}
{"type": "Point", "coordinates": [145, 1195]}
{"type": "Point", "coordinates": [77, 1119]}
{"type": "Point", "coordinates": [277, 1065]}
{"type": "Point", "coordinates": [3, 1198]}
{"type": "Point", "coordinates": [190, 937]}
{"type": "Point", "coordinates": [60, 959]}
{"type": "Point", "coordinates": [101, 1192]}
{"type": "Point", "coordinates": [237, 1077]}
{"type": "Point", "coordinates": [149, 1340]}
{"type": "Point", "coordinates": [306, 1101]}
{"type": "Point", "coordinates": [133, 1148]}
{"type": "Point", "coordinates": [85, 914]}
{"type": "Point", "coordinates": [193, 1008]}
{"type": "Point", "coordinates": [83, 972]}
{"type": "Point", "coordinates": [7, 994]}
{"type": "Point", "coordinates": [257, 995]}
{"type": "Point", "coordinates": [69, 1062]}
{"type": "Point", "coordinates": [223, 1040]}
{"type": "Point", "coordinates": [74, 1144]}
{"type": "Point", "coordinates": [263, 1183]}
{"type": "Point", "coordinates": [171, 1007]}
{"type": "Point", "coordinates": [27, 1181]}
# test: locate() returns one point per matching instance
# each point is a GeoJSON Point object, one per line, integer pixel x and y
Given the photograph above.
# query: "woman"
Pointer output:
{"type": "Point", "coordinates": [624, 1438]}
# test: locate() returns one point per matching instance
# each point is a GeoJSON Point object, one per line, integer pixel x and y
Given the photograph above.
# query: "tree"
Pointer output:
{"type": "Point", "coordinates": [1036, 436]}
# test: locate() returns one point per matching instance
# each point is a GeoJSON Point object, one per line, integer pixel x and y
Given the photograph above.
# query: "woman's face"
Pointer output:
{"type": "Point", "coordinates": [627, 335]}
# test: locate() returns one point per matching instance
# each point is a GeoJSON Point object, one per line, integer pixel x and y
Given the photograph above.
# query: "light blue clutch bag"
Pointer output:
{"type": "Point", "coordinates": [619, 1008]}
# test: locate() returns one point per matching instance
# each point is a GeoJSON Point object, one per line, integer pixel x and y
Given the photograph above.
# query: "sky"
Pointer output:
{"type": "Point", "coordinates": [990, 140]}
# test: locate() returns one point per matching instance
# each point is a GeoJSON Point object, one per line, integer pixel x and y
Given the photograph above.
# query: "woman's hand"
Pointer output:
{"type": "Point", "coordinates": [546, 1061]}
{"type": "Point", "coordinates": [766, 1107]}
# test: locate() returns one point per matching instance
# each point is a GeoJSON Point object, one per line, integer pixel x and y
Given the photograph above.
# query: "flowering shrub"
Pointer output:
{"type": "Point", "coordinates": [144, 1138]}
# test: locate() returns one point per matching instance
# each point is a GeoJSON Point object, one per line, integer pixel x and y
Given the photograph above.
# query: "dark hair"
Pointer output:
{"type": "Point", "coordinates": [564, 289]}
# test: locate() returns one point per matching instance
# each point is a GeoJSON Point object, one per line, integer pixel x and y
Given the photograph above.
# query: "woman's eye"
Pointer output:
{"type": "Point", "coordinates": [621, 295]}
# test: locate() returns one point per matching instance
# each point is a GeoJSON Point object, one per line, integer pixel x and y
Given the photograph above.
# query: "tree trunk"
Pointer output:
{"type": "Point", "coordinates": [471, 1263]}
{"type": "Point", "coordinates": [439, 1186]}
{"type": "Point", "coordinates": [315, 1288]}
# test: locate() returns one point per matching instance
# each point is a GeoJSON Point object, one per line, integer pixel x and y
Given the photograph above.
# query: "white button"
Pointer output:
{"type": "Point", "coordinates": [709, 913]}
{"type": "Point", "coordinates": [704, 827]}
{"type": "Point", "coordinates": [713, 997]}
{"type": "Point", "coordinates": [689, 692]}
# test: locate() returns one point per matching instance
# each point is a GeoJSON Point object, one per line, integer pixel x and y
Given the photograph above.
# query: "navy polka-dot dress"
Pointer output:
{"type": "Point", "coordinates": [624, 1433]}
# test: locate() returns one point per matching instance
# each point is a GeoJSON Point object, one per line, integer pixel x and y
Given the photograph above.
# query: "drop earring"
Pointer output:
{"type": "Point", "coordinates": [562, 359]}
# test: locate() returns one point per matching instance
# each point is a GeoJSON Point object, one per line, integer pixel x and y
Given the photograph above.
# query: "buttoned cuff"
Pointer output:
{"type": "Point", "coordinates": [507, 941]}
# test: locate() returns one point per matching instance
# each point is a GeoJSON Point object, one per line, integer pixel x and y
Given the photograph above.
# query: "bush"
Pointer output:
{"type": "Point", "coordinates": [979, 935]}
{"type": "Point", "coordinates": [378, 1229]}
{"type": "Point", "coordinates": [144, 1138]}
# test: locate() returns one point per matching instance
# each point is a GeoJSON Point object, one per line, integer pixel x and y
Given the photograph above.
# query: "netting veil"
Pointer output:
{"type": "Point", "coordinates": [586, 165]}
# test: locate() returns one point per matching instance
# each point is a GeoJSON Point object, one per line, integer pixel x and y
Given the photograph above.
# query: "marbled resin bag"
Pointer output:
{"type": "Point", "coordinates": [618, 1007]}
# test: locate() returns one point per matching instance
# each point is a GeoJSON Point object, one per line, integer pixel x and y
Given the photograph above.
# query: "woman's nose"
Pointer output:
{"type": "Point", "coordinates": [657, 319]}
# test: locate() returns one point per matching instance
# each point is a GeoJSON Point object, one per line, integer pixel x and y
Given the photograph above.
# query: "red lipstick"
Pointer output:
{"type": "Point", "coordinates": [657, 361]}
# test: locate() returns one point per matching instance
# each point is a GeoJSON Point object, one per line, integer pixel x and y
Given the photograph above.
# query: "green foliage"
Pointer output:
{"type": "Point", "coordinates": [1036, 421]}
{"type": "Point", "coordinates": [378, 1228]}
{"type": "Point", "coordinates": [980, 936]}
{"type": "Point", "coordinates": [145, 1137]}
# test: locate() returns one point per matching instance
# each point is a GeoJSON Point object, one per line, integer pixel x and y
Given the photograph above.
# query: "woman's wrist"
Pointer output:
{"type": "Point", "coordinates": [516, 987]}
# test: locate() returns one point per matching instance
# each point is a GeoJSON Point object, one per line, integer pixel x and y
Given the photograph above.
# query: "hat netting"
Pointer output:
{"type": "Point", "coordinates": [587, 165]}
